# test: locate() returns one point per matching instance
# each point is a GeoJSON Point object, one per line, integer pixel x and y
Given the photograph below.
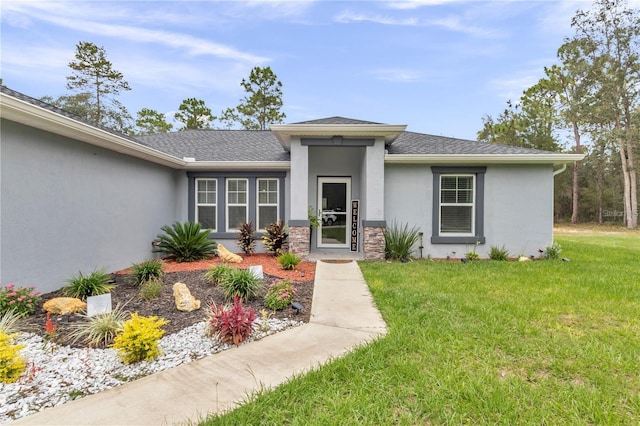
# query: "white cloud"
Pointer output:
{"type": "Point", "coordinates": [414, 4]}
{"type": "Point", "coordinates": [457, 24]}
{"type": "Point", "coordinates": [348, 17]}
{"type": "Point", "coordinates": [397, 75]}
{"type": "Point", "coordinates": [512, 87]}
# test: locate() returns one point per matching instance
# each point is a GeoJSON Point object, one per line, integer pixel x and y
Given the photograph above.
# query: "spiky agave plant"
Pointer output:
{"type": "Point", "coordinates": [187, 242]}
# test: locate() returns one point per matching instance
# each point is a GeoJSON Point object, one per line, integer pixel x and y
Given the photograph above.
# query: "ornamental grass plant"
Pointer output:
{"type": "Point", "coordinates": [83, 286]}
{"type": "Point", "coordinates": [399, 240]}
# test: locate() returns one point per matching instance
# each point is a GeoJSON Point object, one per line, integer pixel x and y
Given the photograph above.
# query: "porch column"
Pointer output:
{"type": "Point", "coordinates": [374, 222]}
{"type": "Point", "coordinates": [299, 231]}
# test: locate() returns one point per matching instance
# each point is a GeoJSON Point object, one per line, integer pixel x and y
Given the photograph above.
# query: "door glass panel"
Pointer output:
{"type": "Point", "coordinates": [334, 213]}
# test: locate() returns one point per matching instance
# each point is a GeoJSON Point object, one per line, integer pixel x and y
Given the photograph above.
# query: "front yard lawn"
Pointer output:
{"type": "Point", "coordinates": [487, 342]}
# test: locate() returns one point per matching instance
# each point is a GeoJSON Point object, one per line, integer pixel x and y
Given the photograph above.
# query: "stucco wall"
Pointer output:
{"type": "Point", "coordinates": [518, 207]}
{"type": "Point", "coordinates": [68, 207]}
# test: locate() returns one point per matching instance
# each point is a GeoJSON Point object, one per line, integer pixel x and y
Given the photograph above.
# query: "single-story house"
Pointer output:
{"type": "Point", "coordinates": [77, 197]}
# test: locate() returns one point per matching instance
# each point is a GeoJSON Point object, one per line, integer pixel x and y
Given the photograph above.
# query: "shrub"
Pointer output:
{"type": "Point", "coordinates": [280, 295]}
{"type": "Point", "coordinates": [22, 300]}
{"type": "Point", "coordinates": [84, 286]}
{"type": "Point", "coordinates": [246, 238]}
{"type": "Point", "coordinates": [10, 322]}
{"type": "Point", "coordinates": [242, 283]}
{"type": "Point", "coordinates": [12, 365]}
{"type": "Point", "coordinates": [399, 240]}
{"type": "Point", "coordinates": [552, 252]}
{"type": "Point", "coordinates": [472, 255]}
{"type": "Point", "coordinates": [276, 238]}
{"type": "Point", "coordinates": [231, 324]}
{"type": "Point", "coordinates": [217, 274]}
{"type": "Point", "coordinates": [150, 289]}
{"type": "Point", "coordinates": [186, 242]}
{"type": "Point", "coordinates": [498, 253]}
{"type": "Point", "coordinates": [139, 338]}
{"type": "Point", "coordinates": [142, 272]}
{"type": "Point", "coordinates": [288, 261]}
{"type": "Point", "coordinates": [100, 330]}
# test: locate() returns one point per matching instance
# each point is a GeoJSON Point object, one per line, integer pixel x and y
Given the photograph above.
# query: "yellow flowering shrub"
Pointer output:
{"type": "Point", "coordinates": [12, 365]}
{"type": "Point", "coordinates": [139, 338]}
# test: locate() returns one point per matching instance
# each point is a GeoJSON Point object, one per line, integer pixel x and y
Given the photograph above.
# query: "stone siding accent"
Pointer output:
{"type": "Point", "coordinates": [373, 243]}
{"type": "Point", "coordinates": [299, 241]}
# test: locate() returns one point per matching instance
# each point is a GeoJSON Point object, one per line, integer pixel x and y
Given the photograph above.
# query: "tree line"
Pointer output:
{"type": "Point", "coordinates": [592, 99]}
{"type": "Point", "coordinates": [94, 86]}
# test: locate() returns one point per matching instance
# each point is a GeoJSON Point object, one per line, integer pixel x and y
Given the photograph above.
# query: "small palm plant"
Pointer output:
{"type": "Point", "coordinates": [275, 240]}
{"type": "Point", "coordinates": [187, 242]}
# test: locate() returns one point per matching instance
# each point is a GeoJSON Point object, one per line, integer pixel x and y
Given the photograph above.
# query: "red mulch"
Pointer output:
{"type": "Point", "coordinates": [304, 271]}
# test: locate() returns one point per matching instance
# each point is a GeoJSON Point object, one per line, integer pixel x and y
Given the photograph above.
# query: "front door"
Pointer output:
{"type": "Point", "coordinates": [334, 195]}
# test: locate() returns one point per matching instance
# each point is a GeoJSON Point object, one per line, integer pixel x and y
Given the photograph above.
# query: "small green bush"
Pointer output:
{"type": "Point", "coordinates": [288, 261]}
{"type": "Point", "coordinates": [280, 295]}
{"type": "Point", "coordinates": [217, 274]}
{"type": "Point", "coordinates": [552, 252]}
{"type": "Point", "coordinates": [399, 240]}
{"type": "Point", "coordinates": [22, 300]}
{"type": "Point", "coordinates": [186, 242]}
{"type": "Point", "coordinates": [84, 286]}
{"type": "Point", "coordinates": [246, 238]}
{"type": "Point", "coordinates": [100, 330]}
{"type": "Point", "coordinates": [139, 338]}
{"type": "Point", "coordinates": [472, 255]}
{"type": "Point", "coordinates": [12, 365]}
{"type": "Point", "coordinates": [275, 240]}
{"type": "Point", "coordinates": [142, 272]}
{"type": "Point", "coordinates": [498, 253]}
{"type": "Point", "coordinates": [242, 283]}
{"type": "Point", "coordinates": [150, 289]}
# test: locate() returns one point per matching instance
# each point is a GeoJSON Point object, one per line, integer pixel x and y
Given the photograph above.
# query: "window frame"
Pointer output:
{"type": "Point", "coordinates": [472, 204]}
{"type": "Point", "coordinates": [221, 210]}
{"type": "Point", "coordinates": [477, 234]}
{"type": "Point", "coordinates": [198, 204]}
{"type": "Point", "coordinates": [259, 205]}
{"type": "Point", "coordinates": [228, 204]}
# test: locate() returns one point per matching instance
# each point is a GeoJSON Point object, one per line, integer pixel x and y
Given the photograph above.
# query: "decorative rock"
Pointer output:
{"type": "Point", "coordinates": [184, 299]}
{"type": "Point", "coordinates": [64, 305]}
{"type": "Point", "coordinates": [227, 256]}
{"type": "Point", "coordinates": [523, 259]}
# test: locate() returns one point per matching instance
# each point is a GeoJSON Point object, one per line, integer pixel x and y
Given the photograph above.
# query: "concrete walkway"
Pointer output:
{"type": "Point", "coordinates": [343, 316]}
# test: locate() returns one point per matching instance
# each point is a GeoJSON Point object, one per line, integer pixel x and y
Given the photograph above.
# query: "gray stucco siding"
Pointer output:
{"type": "Point", "coordinates": [69, 207]}
{"type": "Point", "coordinates": [518, 207]}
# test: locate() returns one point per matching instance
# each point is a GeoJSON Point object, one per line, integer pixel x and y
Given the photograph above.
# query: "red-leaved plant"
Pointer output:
{"type": "Point", "coordinates": [232, 324]}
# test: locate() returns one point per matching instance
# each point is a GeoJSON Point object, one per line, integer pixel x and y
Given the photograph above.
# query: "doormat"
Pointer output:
{"type": "Point", "coordinates": [336, 260]}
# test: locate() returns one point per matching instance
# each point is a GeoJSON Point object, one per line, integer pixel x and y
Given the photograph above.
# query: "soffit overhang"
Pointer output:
{"type": "Point", "coordinates": [284, 132]}
{"type": "Point", "coordinates": [481, 159]}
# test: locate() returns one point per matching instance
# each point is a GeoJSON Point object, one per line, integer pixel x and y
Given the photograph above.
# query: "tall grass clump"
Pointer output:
{"type": "Point", "coordinates": [399, 240]}
{"type": "Point", "coordinates": [144, 271]}
{"type": "Point", "coordinates": [83, 286]}
{"type": "Point", "coordinates": [100, 330]}
{"type": "Point", "coordinates": [186, 242]}
{"type": "Point", "coordinates": [218, 273]}
{"type": "Point", "coordinates": [241, 282]}
{"type": "Point", "coordinates": [498, 253]}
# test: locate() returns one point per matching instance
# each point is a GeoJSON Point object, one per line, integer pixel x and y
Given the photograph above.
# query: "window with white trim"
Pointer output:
{"type": "Point", "coordinates": [267, 205]}
{"type": "Point", "coordinates": [206, 203]}
{"type": "Point", "coordinates": [237, 203]}
{"type": "Point", "coordinates": [457, 204]}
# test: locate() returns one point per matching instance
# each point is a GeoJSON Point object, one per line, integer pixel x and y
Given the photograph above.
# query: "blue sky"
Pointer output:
{"type": "Point", "coordinates": [437, 66]}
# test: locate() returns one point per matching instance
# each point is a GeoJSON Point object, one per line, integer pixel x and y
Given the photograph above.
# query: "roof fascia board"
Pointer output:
{"type": "Point", "coordinates": [238, 165]}
{"type": "Point", "coordinates": [284, 132]}
{"type": "Point", "coordinates": [482, 158]}
{"type": "Point", "coordinates": [41, 118]}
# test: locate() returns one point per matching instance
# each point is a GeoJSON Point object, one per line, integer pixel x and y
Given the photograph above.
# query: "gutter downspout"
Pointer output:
{"type": "Point", "coordinates": [560, 170]}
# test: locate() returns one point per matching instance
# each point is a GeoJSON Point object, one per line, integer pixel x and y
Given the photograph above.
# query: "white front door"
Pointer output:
{"type": "Point", "coordinates": [334, 197]}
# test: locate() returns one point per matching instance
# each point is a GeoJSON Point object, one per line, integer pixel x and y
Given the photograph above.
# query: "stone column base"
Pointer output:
{"type": "Point", "coordinates": [299, 241]}
{"type": "Point", "coordinates": [373, 243]}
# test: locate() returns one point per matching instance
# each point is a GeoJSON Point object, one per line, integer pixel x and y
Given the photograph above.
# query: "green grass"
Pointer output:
{"type": "Point", "coordinates": [546, 342]}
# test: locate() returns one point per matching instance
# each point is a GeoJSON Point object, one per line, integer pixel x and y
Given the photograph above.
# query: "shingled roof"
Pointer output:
{"type": "Point", "coordinates": [219, 145]}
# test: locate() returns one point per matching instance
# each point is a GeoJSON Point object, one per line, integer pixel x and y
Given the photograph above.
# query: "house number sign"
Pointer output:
{"type": "Point", "coordinates": [354, 224]}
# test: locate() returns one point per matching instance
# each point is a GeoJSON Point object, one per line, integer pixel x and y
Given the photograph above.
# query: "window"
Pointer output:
{"type": "Point", "coordinates": [268, 196]}
{"type": "Point", "coordinates": [206, 205]}
{"type": "Point", "coordinates": [458, 205]}
{"type": "Point", "coordinates": [237, 203]}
